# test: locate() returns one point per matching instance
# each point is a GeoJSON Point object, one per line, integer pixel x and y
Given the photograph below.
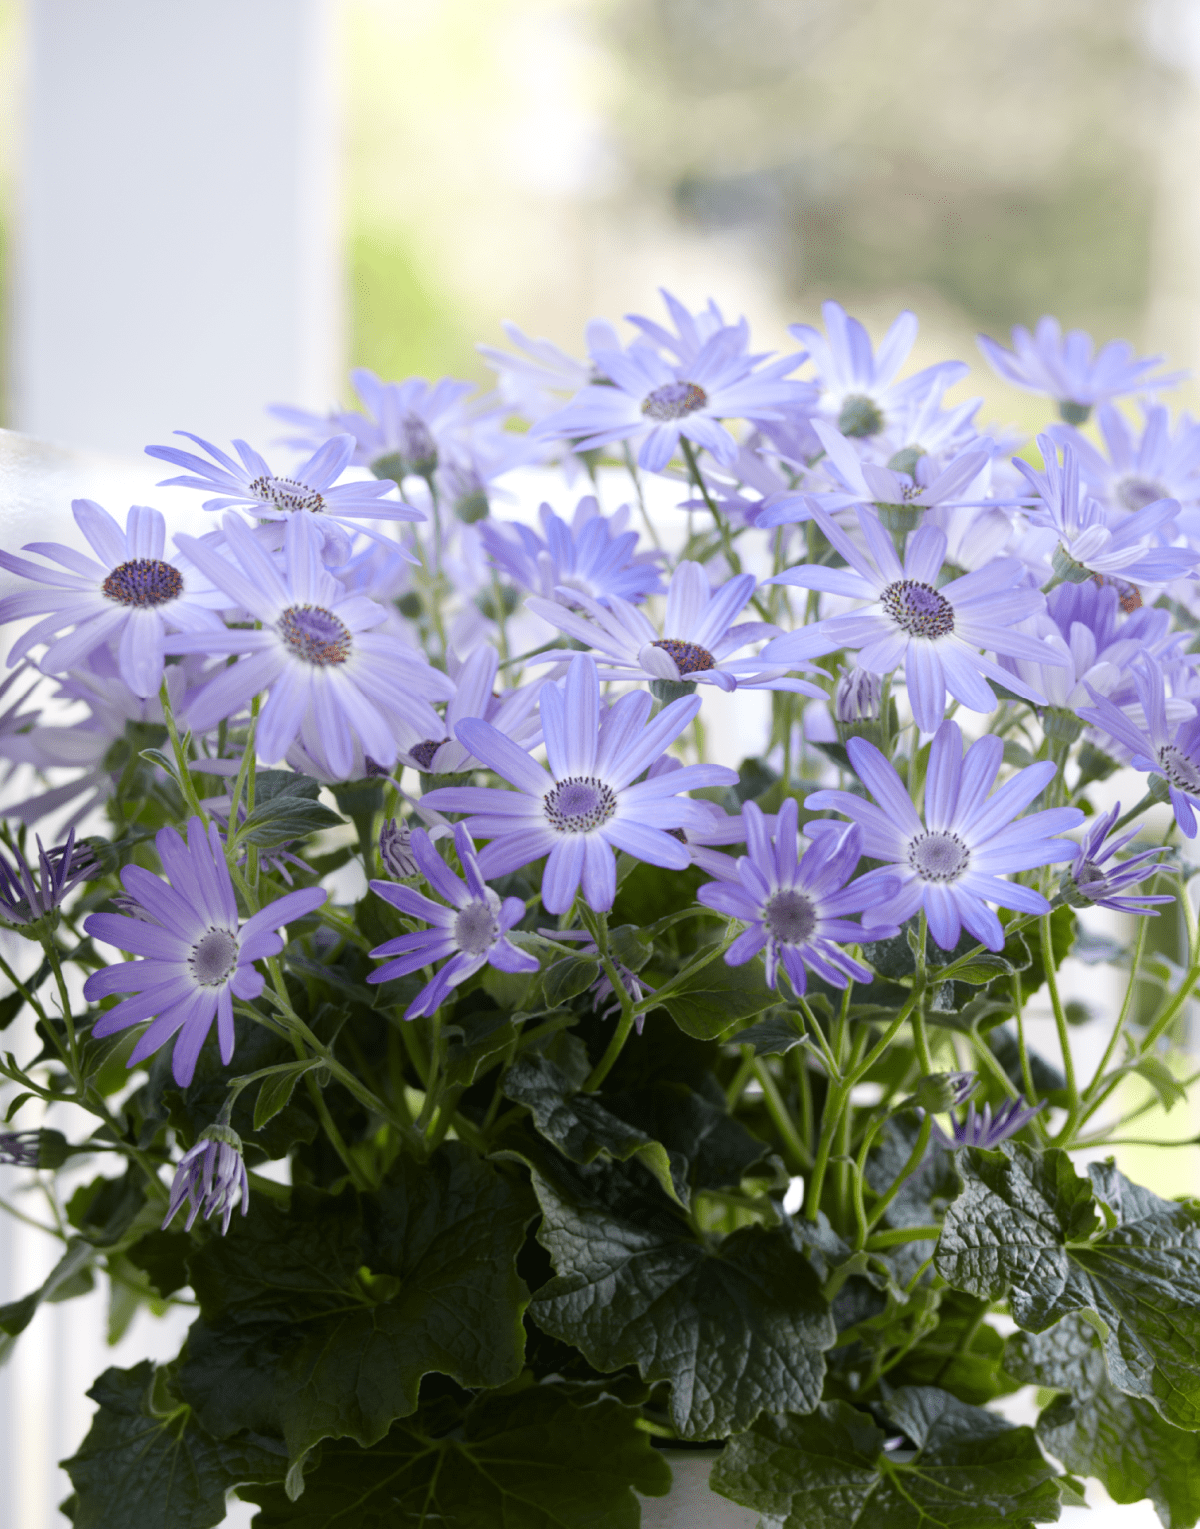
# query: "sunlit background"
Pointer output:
{"type": "Point", "coordinates": [449, 164]}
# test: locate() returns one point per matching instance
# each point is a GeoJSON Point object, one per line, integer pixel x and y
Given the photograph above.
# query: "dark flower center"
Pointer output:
{"type": "Point", "coordinates": [1089, 874]}
{"type": "Point", "coordinates": [423, 752]}
{"type": "Point", "coordinates": [417, 445]}
{"type": "Point", "coordinates": [315, 634]}
{"type": "Point", "coordinates": [938, 856]}
{"type": "Point", "coordinates": [689, 657]}
{"type": "Point", "coordinates": [579, 804]}
{"type": "Point", "coordinates": [673, 400]}
{"type": "Point", "coordinates": [790, 916]}
{"type": "Point", "coordinates": [1181, 771]}
{"type": "Point", "coordinates": [476, 929]}
{"type": "Point", "coordinates": [1134, 493]}
{"type": "Point", "coordinates": [677, 833]}
{"type": "Point", "coordinates": [918, 608]}
{"type": "Point", "coordinates": [860, 416]}
{"type": "Point", "coordinates": [287, 494]}
{"type": "Point", "coordinates": [144, 581]}
{"type": "Point", "coordinates": [213, 957]}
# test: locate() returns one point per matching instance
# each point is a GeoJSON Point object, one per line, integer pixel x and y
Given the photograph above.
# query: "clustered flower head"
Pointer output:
{"type": "Point", "coordinates": [211, 1178]}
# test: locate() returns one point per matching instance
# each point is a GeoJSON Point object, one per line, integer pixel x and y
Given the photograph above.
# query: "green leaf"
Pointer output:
{"type": "Point", "coordinates": [70, 1276]}
{"type": "Point", "coordinates": [1025, 1227]}
{"type": "Point", "coordinates": [285, 818]}
{"type": "Point", "coordinates": [772, 1036]}
{"type": "Point", "coordinates": [735, 1327]}
{"type": "Point", "coordinates": [829, 1470]}
{"type": "Point", "coordinates": [475, 1044]}
{"type": "Point", "coordinates": [10, 1007]}
{"type": "Point", "coordinates": [276, 1090]}
{"type": "Point", "coordinates": [1098, 1431]}
{"type": "Point", "coordinates": [977, 972]}
{"type": "Point", "coordinates": [567, 978]}
{"type": "Point", "coordinates": [962, 1354]}
{"type": "Point", "coordinates": [320, 1323]}
{"type": "Point", "coordinates": [711, 1001]}
{"type": "Point", "coordinates": [1161, 1079]}
{"type": "Point", "coordinates": [147, 1464]}
{"type": "Point", "coordinates": [549, 1457]}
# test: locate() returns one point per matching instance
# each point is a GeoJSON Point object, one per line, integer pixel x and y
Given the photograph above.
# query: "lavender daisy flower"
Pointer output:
{"type": "Point", "coordinates": [1139, 470]}
{"type": "Point", "coordinates": [212, 1176]}
{"type": "Point", "coordinates": [26, 901]}
{"type": "Point", "coordinates": [1065, 368]}
{"type": "Point", "coordinates": [514, 714]}
{"type": "Point", "coordinates": [594, 554]}
{"type": "Point", "coordinates": [332, 682]}
{"type": "Point", "coordinates": [586, 805]}
{"type": "Point", "coordinates": [311, 489]}
{"type": "Point", "coordinates": [197, 957]}
{"type": "Point", "coordinates": [859, 391]}
{"type": "Point", "coordinates": [935, 633]}
{"type": "Point", "coordinates": [951, 864]}
{"type": "Point", "coordinates": [715, 827]}
{"type": "Point", "coordinates": [794, 905]}
{"type": "Point", "coordinates": [1087, 546]}
{"type": "Point", "coordinates": [697, 642]}
{"type": "Point", "coordinates": [692, 331]}
{"type": "Point", "coordinates": [900, 497]}
{"type": "Point", "coordinates": [130, 597]}
{"type": "Point", "coordinates": [531, 380]}
{"type": "Point", "coordinates": [651, 402]}
{"type": "Point", "coordinates": [472, 930]}
{"type": "Point", "coordinates": [985, 1129]}
{"type": "Point", "coordinates": [1088, 884]}
{"type": "Point", "coordinates": [1163, 747]}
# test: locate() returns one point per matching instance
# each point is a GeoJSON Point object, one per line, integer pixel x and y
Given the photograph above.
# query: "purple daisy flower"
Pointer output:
{"type": "Point", "coordinates": [587, 804]}
{"type": "Point", "coordinates": [594, 554]}
{"type": "Point", "coordinates": [697, 642]}
{"type": "Point", "coordinates": [514, 714]}
{"type": "Point", "coordinates": [692, 331]}
{"type": "Point", "coordinates": [794, 905]}
{"type": "Point", "coordinates": [197, 957]}
{"type": "Point", "coordinates": [472, 930]}
{"type": "Point", "coordinates": [652, 402]}
{"type": "Point", "coordinates": [532, 380]}
{"type": "Point", "coordinates": [212, 1176]}
{"type": "Point", "coordinates": [1139, 470]}
{"type": "Point", "coordinates": [716, 827]}
{"type": "Point", "coordinates": [985, 1129]}
{"type": "Point", "coordinates": [1066, 369]}
{"type": "Point", "coordinates": [25, 899]}
{"type": "Point", "coordinates": [20, 1149]}
{"type": "Point", "coordinates": [952, 863]}
{"type": "Point", "coordinates": [311, 488]}
{"type": "Point", "coordinates": [1088, 884]}
{"type": "Point", "coordinates": [859, 391]}
{"type": "Point", "coordinates": [332, 682]}
{"type": "Point", "coordinates": [1163, 746]}
{"type": "Point", "coordinates": [132, 596]}
{"type": "Point", "coordinates": [1088, 545]}
{"type": "Point", "coordinates": [935, 633]}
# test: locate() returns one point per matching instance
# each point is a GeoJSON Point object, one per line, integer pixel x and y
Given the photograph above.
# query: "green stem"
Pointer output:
{"type": "Point", "coordinates": [1064, 1039]}
{"type": "Point", "coordinates": [802, 1157]}
{"type": "Point", "coordinates": [920, 1038]}
{"type": "Point", "coordinates": [1119, 1028]}
{"type": "Point", "coordinates": [637, 489]}
{"type": "Point", "coordinates": [1022, 1048]}
{"type": "Point", "coordinates": [913, 1162]}
{"type": "Point", "coordinates": [182, 763]}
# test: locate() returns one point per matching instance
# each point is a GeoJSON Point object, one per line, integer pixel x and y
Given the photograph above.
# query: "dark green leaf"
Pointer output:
{"type": "Point", "coordinates": [162, 1257]}
{"type": "Point", "coordinates": [962, 1354]}
{"type": "Point", "coordinates": [70, 1277]}
{"type": "Point", "coordinates": [10, 1007]}
{"type": "Point", "coordinates": [772, 1036]}
{"type": "Point", "coordinates": [547, 1457]}
{"type": "Point", "coordinates": [707, 1004]}
{"type": "Point", "coordinates": [276, 1090]}
{"type": "Point", "coordinates": [736, 1327]}
{"type": "Point", "coordinates": [147, 1464]}
{"type": "Point", "coordinates": [285, 818]}
{"type": "Point", "coordinates": [829, 1470]}
{"type": "Point", "coordinates": [1098, 1431]}
{"type": "Point", "coordinates": [977, 972]}
{"type": "Point", "coordinates": [567, 978]}
{"type": "Point", "coordinates": [321, 1323]}
{"type": "Point", "coordinates": [475, 1044]}
{"type": "Point", "coordinates": [1025, 1227]}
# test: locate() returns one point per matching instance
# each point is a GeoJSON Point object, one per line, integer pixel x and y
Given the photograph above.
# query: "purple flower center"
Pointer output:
{"type": "Point", "coordinates": [214, 956]}
{"type": "Point", "coordinates": [790, 916]}
{"type": "Point", "coordinates": [677, 833]}
{"type": "Point", "coordinates": [673, 400]}
{"type": "Point", "coordinates": [579, 804]}
{"type": "Point", "coordinates": [918, 609]}
{"type": "Point", "coordinates": [1179, 769]}
{"type": "Point", "coordinates": [1134, 493]}
{"type": "Point", "coordinates": [1090, 879]}
{"type": "Point", "coordinates": [476, 929]}
{"type": "Point", "coordinates": [689, 657]}
{"type": "Point", "coordinates": [938, 856]}
{"type": "Point", "coordinates": [144, 581]}
{"type": "Point", "coordinates": [423, 752]}
{"type": "Point", "coordinates": [315, 634]}
{"type": "Point", "coordinates": [287, 494]}
{"type": "Point", "coordinates": [416, 442]}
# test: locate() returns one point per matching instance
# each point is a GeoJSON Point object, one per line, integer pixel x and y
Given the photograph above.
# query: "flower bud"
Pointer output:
{"type": "Point", "coordinates": [395, 850]}
{"type": "Point", "coordinates": [212, 1176]}
{"type": "Point", "coordinates": [941, 1091]}
{"type": "Point", "coordinates": [857, 697]}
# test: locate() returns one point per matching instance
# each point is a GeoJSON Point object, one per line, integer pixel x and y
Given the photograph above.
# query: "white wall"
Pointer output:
{"type": "Point", "coordinates": [177, 249]}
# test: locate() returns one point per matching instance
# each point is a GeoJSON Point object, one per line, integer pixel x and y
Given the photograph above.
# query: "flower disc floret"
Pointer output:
{"type": "Point", "coordinates": [287, 494]}
{"type": "Point", "coordinates": [315, 635]}
{"type": "Point", "coordinates": [579, 804]}
{"type": "Point", "coordinates": [689, 657]}
{"type": "Point", "coordinates": [144, 581]}
{"type": "Point", "coordinates": [674, 400]}
{"type": "Point", "coordinates": [938, 856]}
{"type": "Point", "coordinates": [918, 609]}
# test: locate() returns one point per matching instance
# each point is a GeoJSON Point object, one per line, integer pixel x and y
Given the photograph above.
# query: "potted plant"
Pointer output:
{"type": "Point", "coordinates": [526, 1100]}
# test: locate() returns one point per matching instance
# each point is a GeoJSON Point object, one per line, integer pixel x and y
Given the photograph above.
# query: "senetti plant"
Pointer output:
{"type": "Point", "coordinates": [511, 1091]}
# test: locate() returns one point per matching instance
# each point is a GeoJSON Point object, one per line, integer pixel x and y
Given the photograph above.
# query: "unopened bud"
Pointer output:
{"type": "Point", "coordinates": [857, 697]}
{"type": "Point", "coordinates": [941, 1091]}
{"type": "Point", "coordinates": [395, 850]}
